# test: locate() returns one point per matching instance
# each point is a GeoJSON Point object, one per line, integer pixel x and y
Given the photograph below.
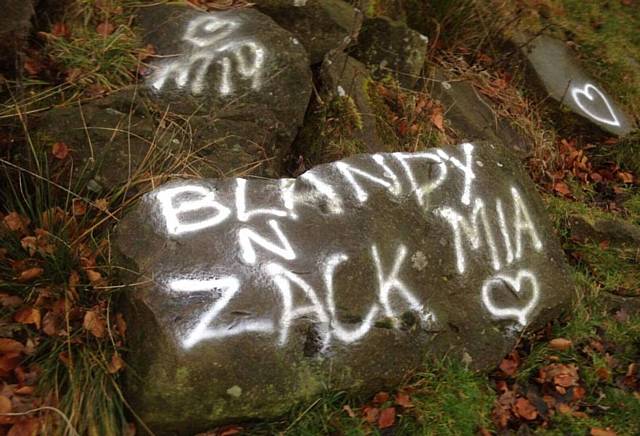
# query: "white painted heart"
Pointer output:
{"type": "Point", "coordinates": [519, 314]}
{"type": "Point", "coordinates": [591, 93]}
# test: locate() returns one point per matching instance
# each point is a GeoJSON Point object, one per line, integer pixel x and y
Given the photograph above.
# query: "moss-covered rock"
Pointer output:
{"type": "Point", "coordinates": [391, 48]}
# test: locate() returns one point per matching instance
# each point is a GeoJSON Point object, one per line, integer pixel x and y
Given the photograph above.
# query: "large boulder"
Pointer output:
{"type": "Point", "coordinates": [320, 25]}
{"type": "Point", "coordinates": [237, 64]}
{"type": "Point", "coordinates": [255, 295]}
{"type": "Point", "coordinates": [565, 80]}
{"type": "Point", "coordinates": [391, 48]}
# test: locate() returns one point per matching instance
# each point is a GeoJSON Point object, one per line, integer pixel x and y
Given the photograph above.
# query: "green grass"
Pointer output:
{"type": "Point", "coordinates": [448, 398]}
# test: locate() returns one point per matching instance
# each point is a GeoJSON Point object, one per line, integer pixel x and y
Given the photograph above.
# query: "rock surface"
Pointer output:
{"type": "Point", "coordinates": [15, 24]}
{"type": "Point", "coordinates": [391, 48]}
{"type": "Point", "coordinates": [108, 138]}
{"type": "Point", "coordinates": [614, 231]}
{"type": "Point", "coordinates": [565, 80]}
{"type": "Point", "coordinates": [320, 25]}
{"type": "Point", "coordinates": [256, 295]}
{"type": "Point", "coordinates": [236, 64]}
{"type": "Point", "coordinates": [115, 137]}
{"type": "Point", "coordinates": [471, 115]}
{"type": "Point", "coordinates": [341, 77]}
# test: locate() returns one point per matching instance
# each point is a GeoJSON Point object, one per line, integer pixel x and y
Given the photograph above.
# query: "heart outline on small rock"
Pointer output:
{"type": "Point", "coordinates": [516, 285]}
{"type": "Point", "coordinates": [588, 91]}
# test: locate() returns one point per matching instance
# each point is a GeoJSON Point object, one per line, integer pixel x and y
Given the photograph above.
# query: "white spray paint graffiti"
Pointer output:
{"type": "Point", "coordinates": [190, 208]}
{"type": "Point", "coordinates": [470, 228]}
{"type": "Point", "coordinates": [208, 38]}
{"type": "Point", "coordinates": [246, 238]}
{"type": "Point", "coordinates": [515, 285]}
{"type": "Point", "coordinates": [391, 282]}
{"type": "Point", "coordinates": [228, 287]}
{"type": "Point", "coordinates": [422, 191]}
{"type": "Point", "coordinates": [462, 227]}
{"type": "Point", "coordinates": [205, 200]}
{"type": "Point", "coordinates": [523, 223]}
{"type": "Point", "coordinates": [594, 95]}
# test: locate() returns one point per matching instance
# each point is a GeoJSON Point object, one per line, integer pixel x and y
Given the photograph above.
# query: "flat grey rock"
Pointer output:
{"type": "Point", "coordinates": [472, 116]}
{"type": "Point", "coordinates": [565, 80]}
{"type": "Point", "coordinates": [236, 64]}
{"type": "Point", "coordinates": [255, 295]}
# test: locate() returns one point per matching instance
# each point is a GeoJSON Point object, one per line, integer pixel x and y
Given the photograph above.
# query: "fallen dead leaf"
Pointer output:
{"type": "Point", "coordinates": [10, 346]}
{"type": "Point", "coordinates": [60, 30]}
{"type": "Point", "coordinates": [7, 300]}
{"type": "Point", "coordinates": [603, 373]}
{"type": "Point", "coordinates": [387, 417]}
{"type": "Point", "coordinates": [60, 150]}
{"type": "Point", "coordinates": [105, 29]}
{"type": "Point", "coordinates": [561, 344]}
{"type": "Point", "coordinates": [79, 207]}
{"type": "Point", "coordinates": [50, 324]}
{"type": "Point", "coordinates": [403, 400]}
{"type": "Point", "coordinates": [371, 414]}
{"type": "Point", "coordinates": [33, 66]}
{"type": "Point", "coordinates": [510, 364]}
{"type": "Point", "coordinates": [602, 432]}
{"type": "Point", "coordinates": [29, 244]}
{"type": "Point", "coordinates": [102, 204]}
{"type": "Point", "coordinates": [27, 427]}
{"type": "Point", "coordinates": [121, 325]}
{"type": "Point", "coordinates": [28, 315]}
{"type": "Point", "coordinates": [625, 177]}
{"type": "Point", "coordinates": [9, 362]}
{"type": "Point", "coordinates": [381, 398]}
{"type": "Point", "coordinates": [116, 364]}
{"type": "Point", "coordinates": [438, 119]}
{"type": "Point", "coordinates": [93, 275]}
{"type": "Point", "coordinates": [30, 274]}
{"type": "Point", "coordinates": [94, 323]}
{"type": "Point", "coordinates": [524, 409]}
{"type": "Point", "coordinates": [563, 408]}
{"type": "Point", "coordinates": [562, 188]}
{"type": "Point", "coordinates": [5, 405]}
{"type": "Point", "coordinates": [16, 222]}
{"type": "Point", "coordinates": [24, 390]}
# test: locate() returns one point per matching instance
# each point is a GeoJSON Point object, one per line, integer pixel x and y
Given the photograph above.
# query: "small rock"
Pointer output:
{"type": "Point", "coordinates": [471, 116]}
{"type": "Point", "coordinates": [614, 231]}
{"type": "Point", "coordinates": [391, 48]}
{"type": "Point", "coordinates": [320, 25]}
{"type": "Point", "coordinates": [565, 80]}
